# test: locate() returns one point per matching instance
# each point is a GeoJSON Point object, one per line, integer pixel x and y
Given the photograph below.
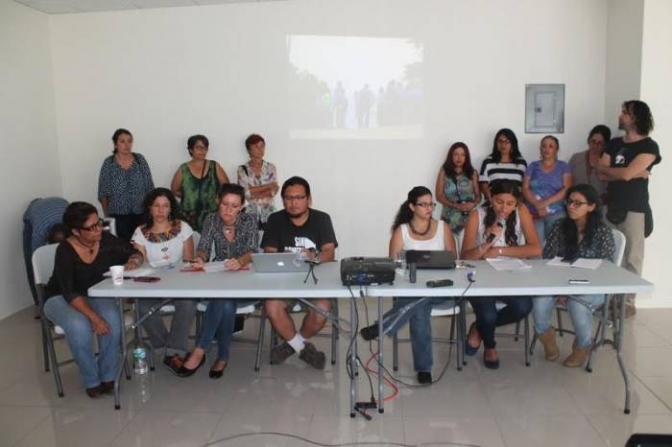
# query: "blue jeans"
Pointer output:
{"type": "Point", "coordinates": [218, 321]}
{"type": "Point", "coordinates": [488, 317]}
{"type": "Point", "coordinates": [79, 335]}
{"type": "Point", "coordinates": [176, 341]}
{"type": "Point", "coordinates": [582, 317]}
{"type": "Point", "coordinates": [420, 327]}
{"type": "Point", "coordinates": [544, 225]}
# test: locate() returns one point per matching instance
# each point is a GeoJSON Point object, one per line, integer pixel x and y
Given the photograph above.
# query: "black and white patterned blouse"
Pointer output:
{"type": "Point", "coordinates": [247, 236]}
{"type": "Point", "coordinates": [125, 189]}
{"type": "Point", "coordinates": [601, 246]}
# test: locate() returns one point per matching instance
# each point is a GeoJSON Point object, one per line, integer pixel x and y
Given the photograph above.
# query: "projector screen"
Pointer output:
{"type": "Point", "coordinates": [355, 88]}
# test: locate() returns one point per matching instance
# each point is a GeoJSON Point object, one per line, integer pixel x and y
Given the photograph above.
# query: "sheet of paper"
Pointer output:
{"type": "Point", "coordinates": [581, 263]}
{"type": "Point", "coordinates": [504, 263]}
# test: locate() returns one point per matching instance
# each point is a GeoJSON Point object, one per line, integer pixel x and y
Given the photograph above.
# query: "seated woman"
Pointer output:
{"type": "Point", "coordinates": [235, 237]}
{"type": "Point", "coordinates": [81, 260]}
{"type": "Point", "coordinates": [457, 187]}
{"type": "Point", "coordinates": [504, 227]}
{"type": "Point", "coordinates": [582, 234]}
{"type": "Point", "coordinates": [415, 229]}
{"type": "Point", "coordinates": [544, 186]}
{"type": "Point", "coordinates": [165, 240]}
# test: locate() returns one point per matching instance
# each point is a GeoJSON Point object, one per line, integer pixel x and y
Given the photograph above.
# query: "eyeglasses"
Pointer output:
{"type": "Point", "coordinates": [576, 203]}
{"type": "Point", "coordinates": [94, 227]}
{"type": "Point", "coordinates": [426, 204]}
{"type": "Point", "coordinates": [292, 198]}
{"type": "Point", "coordinates": [503, 141]}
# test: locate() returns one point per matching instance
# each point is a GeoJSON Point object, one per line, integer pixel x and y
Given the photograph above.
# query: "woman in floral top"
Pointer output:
{"type": "Point", "coordinates": [582, 234]}
{"type": "Point", "coordinates": [259, 178]}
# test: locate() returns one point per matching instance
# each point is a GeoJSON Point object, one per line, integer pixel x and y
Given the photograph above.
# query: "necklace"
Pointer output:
{"type": "Point", "coordinates": [229, 230]}
{"type": "Point", "coordinates": [88, 247]}
{"type": "Point", "coordinates": [420, 233]}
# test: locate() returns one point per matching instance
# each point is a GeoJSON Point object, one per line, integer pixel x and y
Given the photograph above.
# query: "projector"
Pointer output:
{"type": "Point", "coordinates": [361, 271]}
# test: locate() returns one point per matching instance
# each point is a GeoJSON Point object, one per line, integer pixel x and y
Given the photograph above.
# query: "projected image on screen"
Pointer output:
{"type": "Point", "coordinates": [355, 88]}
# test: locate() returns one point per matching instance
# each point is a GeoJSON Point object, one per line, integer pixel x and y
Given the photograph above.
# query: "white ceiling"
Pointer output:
{"type": "Point", "coordinates": [74, 6]}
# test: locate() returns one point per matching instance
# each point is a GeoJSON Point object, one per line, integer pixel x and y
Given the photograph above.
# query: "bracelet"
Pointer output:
{"type": "Point", "coordinates": [135, 260]}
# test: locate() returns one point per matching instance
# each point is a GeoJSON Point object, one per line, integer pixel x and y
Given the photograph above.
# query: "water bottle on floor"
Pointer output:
{"type": "Point", "coordinates": [140, 361]}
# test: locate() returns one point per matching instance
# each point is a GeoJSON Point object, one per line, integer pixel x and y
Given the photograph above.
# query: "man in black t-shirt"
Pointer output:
{"type": "Point", "coordinates": [626, 165]}
{"type": "Point", "coordinates": [299, 229]}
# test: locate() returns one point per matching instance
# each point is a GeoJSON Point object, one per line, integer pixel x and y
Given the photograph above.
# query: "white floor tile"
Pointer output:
{"type": "Point", "coordinates": [164, 428]}
{"type": "Point", "coordinates": [17, 422]}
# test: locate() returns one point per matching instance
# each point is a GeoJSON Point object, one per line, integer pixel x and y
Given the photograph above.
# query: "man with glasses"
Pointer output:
{"type": "Point", "coordinates": [299, 229]}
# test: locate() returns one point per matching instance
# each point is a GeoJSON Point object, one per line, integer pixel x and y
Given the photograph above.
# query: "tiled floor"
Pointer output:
{"type": "Point", "coordinates": [543, 405]}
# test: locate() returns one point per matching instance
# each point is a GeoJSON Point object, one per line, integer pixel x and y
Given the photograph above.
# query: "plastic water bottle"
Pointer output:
{"type": "Point", "coordinates": [140, 361]}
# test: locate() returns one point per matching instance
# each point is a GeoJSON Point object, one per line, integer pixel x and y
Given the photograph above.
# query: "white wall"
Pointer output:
{"type": "Point", "coordinates": [656, 91]}
{"type": "Point", "coordinates": [221, 70]}
{"type": "Point", "coordinates": [30, 165]}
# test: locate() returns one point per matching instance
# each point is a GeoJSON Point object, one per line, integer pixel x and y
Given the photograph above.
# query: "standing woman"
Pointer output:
{"type": "Point", "coordinates": [505, 162]}
{"type": "Point", "coordinates": [197, 182]}
{"type": "Point", "coordinates": [457, 187]}
{"type": "Point", "coordinates": [503, 227]}
{"type": "Point", "coordinates": [582, 234]}
{"type": "Point", "coordinates": [544, 186]}
{"type": "Point", "coordinates": [581, 163]}
{"type": "Point", "coordinates": [124, 181]}
{"type": "Point", "coordinates": [165, 240]}
{"type": "Point", "coordinates": [260, 180]}
{"type": "Point", "coordinates": [235, 237]}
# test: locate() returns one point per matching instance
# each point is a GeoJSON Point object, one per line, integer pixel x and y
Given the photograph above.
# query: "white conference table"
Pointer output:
{"type": "Point", "coordinates": [540, 279]}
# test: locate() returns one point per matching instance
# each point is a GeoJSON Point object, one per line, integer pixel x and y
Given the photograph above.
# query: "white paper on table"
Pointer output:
{"type": "Point", "coordinates": [503, 263]}
{"type": "Point", "coordinates": [581, 263]}
{"type": "Point", "coordinates": [212, 267]}
{"type": "Point", "coordinates": [145, 271]}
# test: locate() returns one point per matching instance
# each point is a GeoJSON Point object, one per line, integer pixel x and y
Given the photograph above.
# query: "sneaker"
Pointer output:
{"type": "Point", "coordinates": [173, 363]}
{"type": "Point", "coordinates": [281, 352]}
{"type": "Point", "coordinates": [370, 332]}
{"type": "Point", "coordinates": [425, 378]}
{"type": "Point", "coordinates": [312, 356]}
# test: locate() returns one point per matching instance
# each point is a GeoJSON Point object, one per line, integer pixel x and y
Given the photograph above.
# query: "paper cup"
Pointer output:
{"type": "Point", "coordinates": [117, 272]}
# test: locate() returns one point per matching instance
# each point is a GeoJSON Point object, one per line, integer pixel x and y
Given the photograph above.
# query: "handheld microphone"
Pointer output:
{"type": "Point", "coordinates": [491, 237]}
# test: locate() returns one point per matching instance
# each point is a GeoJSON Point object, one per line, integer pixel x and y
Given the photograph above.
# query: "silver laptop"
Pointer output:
{"type": "Point", "coordinates": [277, 263]}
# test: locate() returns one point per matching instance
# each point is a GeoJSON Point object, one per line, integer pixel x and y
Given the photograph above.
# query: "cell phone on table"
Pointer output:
{"type": "Point", "coordinates": [146, 279]}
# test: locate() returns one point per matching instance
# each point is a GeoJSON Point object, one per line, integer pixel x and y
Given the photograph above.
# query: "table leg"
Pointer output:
{"type": "Point", "coordinates": [353, 361]}
{"type": "Point", "coordinates": [124, 354]}
{"type": "Point", "coordinates": [618, 332]}
{"type": "Point", "coordinates": [381, 377]}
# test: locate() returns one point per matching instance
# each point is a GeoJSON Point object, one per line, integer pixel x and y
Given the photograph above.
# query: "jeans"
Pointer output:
{"type": "Point", "coordinates": [79, 335]}
{"type": "Point", "coordinates": [544, 225]}
{"type": "Point", "coordinates": [218, 321]}
{"type": "Point", "coordinates": [420, 327]}
{"type": "Point", "coordinates": [488, 317]}
{"type": "Point", "coordinates": [582, 317]}
{"type": "Point", "coordinates": [176, 341]}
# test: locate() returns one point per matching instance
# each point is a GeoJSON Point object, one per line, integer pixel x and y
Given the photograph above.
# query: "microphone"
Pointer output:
{"type": "Point", "coordinates": [491, 237]}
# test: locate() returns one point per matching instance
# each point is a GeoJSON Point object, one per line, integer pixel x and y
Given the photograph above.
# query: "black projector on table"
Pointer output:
{"type": "Point", "coordinates": [361, 271]}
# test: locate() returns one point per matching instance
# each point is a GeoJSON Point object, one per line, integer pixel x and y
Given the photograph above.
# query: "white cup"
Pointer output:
{"type": "Point", "coordinates": [117, 272]}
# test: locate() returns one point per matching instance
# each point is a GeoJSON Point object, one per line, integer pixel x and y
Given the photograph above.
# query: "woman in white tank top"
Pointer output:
{"type": "Point", "coordinates": [414, 228]}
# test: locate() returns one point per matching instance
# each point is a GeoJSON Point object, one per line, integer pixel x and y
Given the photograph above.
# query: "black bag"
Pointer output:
{"type": "Point", "coordinates": [648, 221]}
{"type": "Point", "coordinates": [616, 213]}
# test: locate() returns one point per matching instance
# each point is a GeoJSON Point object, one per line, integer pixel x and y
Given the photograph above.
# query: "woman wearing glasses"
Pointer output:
{"type": "Point", "coordinates": [503, 227]}
{"type": "Point", "coordinates": [81, 260]}
{"type": "Point", "coordinates": [582, 234]}
{"type": "Point", "coordinates": [457, 187]}
{"type": "Point", "coordinates": [415, 229]}
{"type": "Point", "coordinates": [235, 237]}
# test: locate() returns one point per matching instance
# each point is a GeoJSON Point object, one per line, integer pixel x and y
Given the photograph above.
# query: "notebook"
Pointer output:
{"type": "Point", "coordinates": [431, 259]}
{"type": "Point", "coordinates": [278, 263]}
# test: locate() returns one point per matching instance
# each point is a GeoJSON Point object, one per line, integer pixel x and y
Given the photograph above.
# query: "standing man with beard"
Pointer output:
{"type": "Point", "coordinates": [298, 228]}
{"type": "Point", "coordinates": [626, 165]}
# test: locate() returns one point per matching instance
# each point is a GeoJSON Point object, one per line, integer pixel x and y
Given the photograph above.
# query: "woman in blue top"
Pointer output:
{"type": "Point", "coordinates": [457, 187]}
{"type": "Point", "coordinates": [544, 186]}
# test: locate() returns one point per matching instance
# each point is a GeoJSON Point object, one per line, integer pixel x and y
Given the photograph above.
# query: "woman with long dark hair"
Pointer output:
{"type": "Point", "coordinates": [457, 187]}
{"type": "Point", "coordinates": [582, 234]}
{"type": "Point", "coordinates": [504, 163]}
{"type": "Point", "coordinates": [502, 227]}
{"type": "Point", "coordinates": [415, 229]}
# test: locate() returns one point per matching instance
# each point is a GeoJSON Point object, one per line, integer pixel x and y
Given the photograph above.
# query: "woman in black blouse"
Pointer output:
{"type": "Point", "coordinates": [582, 234]}
{"type": "Point", "coordinates": [235, 237]}
{"type": "Point", "coordinates": [81, 261]}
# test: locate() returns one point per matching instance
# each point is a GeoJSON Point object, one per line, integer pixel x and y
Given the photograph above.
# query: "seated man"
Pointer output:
{"type": "Point", "coordinates": [298, 228]}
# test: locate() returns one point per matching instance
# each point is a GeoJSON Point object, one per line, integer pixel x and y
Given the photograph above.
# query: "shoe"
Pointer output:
{"type": "Point", "coordinates": [370, 332]}
{"type": "Point", "coordinates": [577, 358]}
{"type": "Point", "coordinates": [547, 339]}
{"type": "Point", "coordinates": [95, 392]}
{"type": "Point", "coordinates": [425, 378]}
{"type": "Point", "coordinates": [173, 363]}
{"type": "Point", "coordinates": [490, 364]}
{"type": "Point", "coordinates": [468, 349]}
{"type": "Point", "coordinates": [181, 371]}
{"type": "Point", "coordinates": [281, 352]}
{"type": "Point", "coordinates": [107, 387]}
{"type": "Point", "coordinates": [217, 374]}
{"type": "Point", "coordinates": [312, 356]}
